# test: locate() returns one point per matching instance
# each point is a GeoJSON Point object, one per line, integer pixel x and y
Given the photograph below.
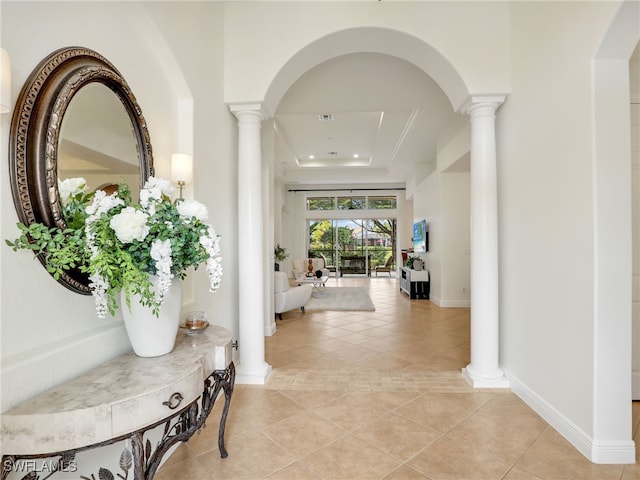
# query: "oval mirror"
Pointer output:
{"type": "Point", "coordinates": [97, 141]}
{"type": "Point", "coordinates": [75, 113]}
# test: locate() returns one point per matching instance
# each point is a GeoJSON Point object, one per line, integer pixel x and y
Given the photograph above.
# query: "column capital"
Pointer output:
{"type": "Point", "coordinates": [475, 102]}
{"type": "Point", "coordinates": [241, 109]}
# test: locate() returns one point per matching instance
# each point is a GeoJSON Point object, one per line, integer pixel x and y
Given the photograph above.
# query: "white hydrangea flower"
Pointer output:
{"type": "Point", "coordinates": [70, 187]}
{"type": "Point", "coordinates": [211, 243]}
{"type": "Point", "coordinates": [102, 203]}
{"type": "Point", "coordinates": [160, 249]}
{"type": "Point", "coordinates": [161, 253]}
{"type": "Point", "coordinates": [155, 188]}
{"type": "Point", "coordinates": [193, 208]}
{"type": "Point", "coordinates": [99, 285]}
{"type": "Point", "coordinates": [130, 224]}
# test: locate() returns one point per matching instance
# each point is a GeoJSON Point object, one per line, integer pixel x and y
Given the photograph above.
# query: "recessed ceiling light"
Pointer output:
{"type": "Point", "coordinates": [311, 157]}
{"type": "Point", "coordinates": [355, 155]}
{"type": "Point", "coordinates": [325, 117]}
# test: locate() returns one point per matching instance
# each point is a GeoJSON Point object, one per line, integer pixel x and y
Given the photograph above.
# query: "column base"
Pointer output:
{"type": "Point", "coordinates": [497, 380]}
{"type": "Point", "coordinates": [253, 377]}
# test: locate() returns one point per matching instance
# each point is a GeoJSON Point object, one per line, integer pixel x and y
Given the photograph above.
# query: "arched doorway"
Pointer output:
{"type": "Point", "coordinates": [484, 370]}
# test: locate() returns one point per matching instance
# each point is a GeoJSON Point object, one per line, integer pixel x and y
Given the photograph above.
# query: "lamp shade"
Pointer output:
{"type": "Point", "coordinates": [181, 167]}
{"type": "Point", "coordinates": [5, 81]}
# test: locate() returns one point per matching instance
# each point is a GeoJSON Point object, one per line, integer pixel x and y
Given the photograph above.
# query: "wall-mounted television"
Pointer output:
{"type": "Point", "coordinates": [421, 236]}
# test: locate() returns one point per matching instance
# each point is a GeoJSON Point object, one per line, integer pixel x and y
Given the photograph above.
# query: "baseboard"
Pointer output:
{"type": "Point", "coordinates": [455, 303]}
{"type": "Point", "coordinates": [270, 329]}
{"type": "Point", "coordinates": [612, 452]}
{"type": "Point", "coordinates": [450, 303]}
{"type": "Point", "coordinates": [253, 377]}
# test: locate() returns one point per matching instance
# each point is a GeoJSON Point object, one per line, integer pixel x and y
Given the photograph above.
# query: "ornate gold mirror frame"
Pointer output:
{"type": "Point", "coordinates": [35, 134]}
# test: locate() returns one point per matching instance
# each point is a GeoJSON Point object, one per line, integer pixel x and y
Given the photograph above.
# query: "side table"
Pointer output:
{"type": "Point", "coordinates": [122, 399]}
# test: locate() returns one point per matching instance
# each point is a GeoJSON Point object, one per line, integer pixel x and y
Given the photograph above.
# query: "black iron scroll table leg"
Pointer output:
{"type": "Point", "coordinates": [227, 386]}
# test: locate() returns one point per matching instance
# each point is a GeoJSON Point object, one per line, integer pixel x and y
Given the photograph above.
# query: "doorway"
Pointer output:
{"type": "Point", "coordinates": [354, 245]}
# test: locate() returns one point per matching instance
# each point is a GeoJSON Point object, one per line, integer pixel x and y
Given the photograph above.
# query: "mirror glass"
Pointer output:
{"type": "Point", "coordinates": [97, 141]}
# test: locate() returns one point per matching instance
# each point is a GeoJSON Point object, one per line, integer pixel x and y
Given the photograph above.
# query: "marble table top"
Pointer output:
{"type": "Point", "coordinates": [118, 397]}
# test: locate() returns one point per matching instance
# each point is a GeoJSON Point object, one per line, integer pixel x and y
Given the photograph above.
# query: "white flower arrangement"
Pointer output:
{"type": "Point", "coordinates": [120, 245]}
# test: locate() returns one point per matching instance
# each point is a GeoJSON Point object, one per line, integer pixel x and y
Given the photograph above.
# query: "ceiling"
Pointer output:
{"type": "Point", "coordinates": [362, 118]}
{"type": "Point", "coordinates": [381, 108]}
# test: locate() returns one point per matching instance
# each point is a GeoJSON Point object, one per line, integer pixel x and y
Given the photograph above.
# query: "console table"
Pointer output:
{"type": "Point", "coordinates": [415, 283]}
{"type": "Point", "coordinates": [123, 399]}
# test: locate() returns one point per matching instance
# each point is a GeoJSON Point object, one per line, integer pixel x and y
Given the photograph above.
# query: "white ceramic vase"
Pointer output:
{"type": "Point", "coordinates": [152, 336]}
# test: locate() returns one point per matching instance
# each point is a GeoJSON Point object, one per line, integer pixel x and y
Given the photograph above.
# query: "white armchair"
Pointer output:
{"type": "Point", "coordinates": [301, 266]}
{"type": "Point", "coordinates": [287, 297]}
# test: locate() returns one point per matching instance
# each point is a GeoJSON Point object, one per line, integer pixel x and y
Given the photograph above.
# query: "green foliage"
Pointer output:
{"type": "Point", "coordinates": [352, 203]}
{"type": "Point", "coordinates": [320, 203]}
{"type": "Point", "coordinates": [409, 261]}
{"type": "Point", "coordinates": [118, 256]}
{"type": "Point", "coordinates": [61, 250]}
{"type": "Point", "coordinates": [280, 253]}
{"type": "Point", "coordinates": [378, 203]}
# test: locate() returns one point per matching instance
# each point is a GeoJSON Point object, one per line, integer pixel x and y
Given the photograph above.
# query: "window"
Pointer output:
{"type": "Point", "coordinates": [377, 203]}
{"type": "Point", "coordinates": [386, 202]}
{"type": "Point", "coordinates": [362, 243]}
{"type": "Point", "coordinates": [320, 203]}
{"type": "Point", "coordinates": [352, 203]}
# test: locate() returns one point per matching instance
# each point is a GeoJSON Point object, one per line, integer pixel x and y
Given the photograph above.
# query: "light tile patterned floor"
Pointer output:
{"type": "Point", "coordinates": [378, 395]}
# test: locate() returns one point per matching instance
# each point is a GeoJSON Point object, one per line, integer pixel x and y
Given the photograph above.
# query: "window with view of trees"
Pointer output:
{"type": "Point", "coordinates": [352, 203]}
{"type": "Point", "coordinates": [376, 203]}
{"type": "Point", "coordinates": [335, 240]}
{"type": "Point", "coordinates": [320, 203]}
{"type": "Point", "coordinates": [373, 239]}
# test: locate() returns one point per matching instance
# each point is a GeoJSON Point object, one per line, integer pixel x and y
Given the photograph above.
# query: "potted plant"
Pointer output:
{"type": "Point", "coordinates": [280, 254]}
{"type": "Point", "coordinates": [137, 251]}
{"type": "Point", "coordinates": [409, 261]}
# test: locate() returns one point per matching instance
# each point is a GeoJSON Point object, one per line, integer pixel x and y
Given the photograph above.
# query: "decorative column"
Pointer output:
{"type": "Point", "coordinates": [252, 368]}
{"type": "Point", "coordinates": [484, 369]}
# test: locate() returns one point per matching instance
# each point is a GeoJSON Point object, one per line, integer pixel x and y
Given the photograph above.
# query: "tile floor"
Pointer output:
{"type": "Point", "coordinates": [378, 395]}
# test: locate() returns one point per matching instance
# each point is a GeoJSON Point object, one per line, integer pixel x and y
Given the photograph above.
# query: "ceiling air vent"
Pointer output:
{"type": "Point", "coordinates": [325, 117]}
{"type": "Point", "coordinates": [333, 154]}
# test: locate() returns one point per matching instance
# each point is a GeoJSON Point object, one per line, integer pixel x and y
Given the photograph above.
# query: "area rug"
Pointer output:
{"type": "Point", "coordinates": [340, 299]}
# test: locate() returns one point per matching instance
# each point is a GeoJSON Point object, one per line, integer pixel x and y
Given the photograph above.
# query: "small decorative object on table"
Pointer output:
{"type": "Point", "coordinates": [194, 323]}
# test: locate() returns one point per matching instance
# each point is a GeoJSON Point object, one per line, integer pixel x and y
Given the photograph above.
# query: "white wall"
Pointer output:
{"type": "Point", "coordinates": [443, 200]}
{"type": "Point", "coordinates": [456, 250]}
{"type": "Point", "coordinates": [635, 208]}
{"type": "Point", "coordinates": [427, 205]}
{"type": "Point", "coordinates": [193, 32]}
{"type": "Point", "coordinates": [283, 29]}
{"type": "Point", "coordinates": [49, 340]}
{"type": "Point", "coordinates": [546, 205]}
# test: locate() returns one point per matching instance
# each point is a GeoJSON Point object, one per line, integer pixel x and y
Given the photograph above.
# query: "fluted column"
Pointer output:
{"type": "Point", "coordinates": [252, 368]}
{"type": "Point", "coordinates": [484, 369]}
